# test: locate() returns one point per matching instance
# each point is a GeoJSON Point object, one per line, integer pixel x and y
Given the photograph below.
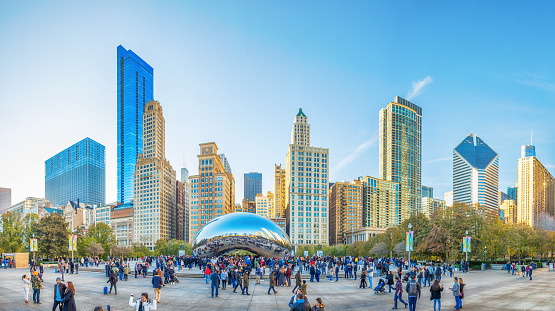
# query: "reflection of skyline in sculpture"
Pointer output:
{"type": "Point", "coordinates": [258, 235]}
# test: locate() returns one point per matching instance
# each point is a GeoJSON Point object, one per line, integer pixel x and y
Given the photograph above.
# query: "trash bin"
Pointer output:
{"type": "Point", "coordinates": [483, 267]}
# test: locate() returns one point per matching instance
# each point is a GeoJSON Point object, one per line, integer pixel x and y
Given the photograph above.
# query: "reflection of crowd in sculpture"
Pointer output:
{"type": "Point", "coordinates": [221, 245]}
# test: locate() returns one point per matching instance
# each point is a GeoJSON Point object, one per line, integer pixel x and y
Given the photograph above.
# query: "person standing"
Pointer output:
{"type": "Point", "coordinates": [69, 299]}
{"type": "Point", "coordinates": [288, 276]}
{"type": "Point", "coordinates": [37, 285]}
{"type": "Point", "coordinates": [26, 287]}
{"type": "Point", "coordinates": [304, 287]}
{"type": "Point", "coordinates": [363, 279]}
{"type": "Point", "coordinates": [435, 291]}
{"type": "Point", "coordinates": [214, 281]}
{"type": "Point", "coordinates": [390, 280]}
{"type": "Point", "coordinates": [113, 279]}
{"type": "Point", "coordinates": [398, 293]}
{"type": "Point", "coordinates": [456, 293]}
{"type": "Point", "coordinates": [157, 284]}
{"type": "Point", "coordinates": [207, 274]}
{"type": "Point", "coordinates": [461, 289]}
{"type": "Point", "coordinates": [245, 282]}
{"type": "Point", "coordinates": [223, 277]}
{"type": "Point", "coordinates": [59, 292]}
{"type": "Point", "coordinates": [297, 281]}
{"type": "Point", "coordinates": [413, 290]}
{"type": "Point", "coordinates": [143, 303]}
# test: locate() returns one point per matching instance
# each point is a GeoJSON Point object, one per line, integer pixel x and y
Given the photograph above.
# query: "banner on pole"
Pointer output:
{"type": "Point", "coordinates": [466, 244]}
{"type": "Point", "coordinates": [33, 245]}
{"type": "Point", "coordinates": [72, 243]}
{"type": "Point", "coordinates": [409, 241]}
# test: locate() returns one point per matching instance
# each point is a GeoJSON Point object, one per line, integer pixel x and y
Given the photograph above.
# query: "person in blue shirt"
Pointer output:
{"type": "Point", "coordinates": [59, 292]}
{"type": "Point", "coordinates": [215, 279]}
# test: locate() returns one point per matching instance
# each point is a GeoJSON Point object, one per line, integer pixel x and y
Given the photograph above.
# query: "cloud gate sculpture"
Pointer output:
{"type": "Point", "coordinates": [241, 231]}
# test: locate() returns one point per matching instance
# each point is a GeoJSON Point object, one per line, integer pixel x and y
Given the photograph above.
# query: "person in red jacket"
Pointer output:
{"type": "Point", "coordinates": [207, 273]}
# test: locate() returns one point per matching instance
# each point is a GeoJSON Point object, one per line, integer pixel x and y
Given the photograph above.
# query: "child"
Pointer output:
{"type": "Point", "coordinates": [26, 287]}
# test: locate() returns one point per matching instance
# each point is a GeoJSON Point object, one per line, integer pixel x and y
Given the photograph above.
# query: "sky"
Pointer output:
{"type": "Point", "coordinates": [236, 72]}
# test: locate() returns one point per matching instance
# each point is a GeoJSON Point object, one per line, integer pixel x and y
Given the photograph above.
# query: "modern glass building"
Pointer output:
{"type": "Point", "coordinates": [252, 185]}
{"type": "Point", "coordinates": [476, 173]}
{"type": "Point", "coordinates": [77, 173]}
{"type": "Point", "coordinates": [527, 151]}
{"type": "Point", "coordinates": [5, 199]}
{"type": "Point", "coordinates": [135, 89]}
{"type": "Point", "coordinates": [427, 192]}
{"type": "Point", "coordinates": [512, 192]}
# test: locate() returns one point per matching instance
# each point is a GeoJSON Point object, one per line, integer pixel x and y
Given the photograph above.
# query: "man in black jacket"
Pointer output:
{"type": "Point", "coordinates": [113, 279]}
{"type": "Point", "coordinates": [59, 292]}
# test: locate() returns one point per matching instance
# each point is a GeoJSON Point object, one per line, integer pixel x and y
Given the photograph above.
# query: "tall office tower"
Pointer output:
{"type": "Point", "coordinates": [265, 205]}
{"type": "Point", "coordinates": [512, 192]}
{"type": "Point", "coordinates": [476, 173]}
{"type": "Point", "coordinates": [212, 190]}
{"type": "Point", "coordinates": [345, 210]}
{"type": "Point", "coordinates": [427, 192]}
{"type": "Point", "coordinates": [279, 191]}
{"type": "Point", "coordinates": [252, 185]}
{"type": "Point", "coordinates": [448, 198]}
{"type": "Point", "coordinates": [78, 172]}
{"type": "Point", "coordinates": [527, 151]}
{"type": "Point", "coordinates": [536, 192]}
{"type": "Point", "coordinates": [5, 199]}
{"type": "Point", "coordinates": [225, 162]}
{"type": "Point", "coordinates": [431, 206]}
{"type": "Point", "coordinates": [380, 203]}
{"type": "Point", "coordinates": [187, 201]}
{"type": "Point", "coordinates": [400, 136]}
{"type": "Point", "coordinates": [179, 210]}
{"type": "Point", "coordinates": [135, 89]}
{"type": "Point", "coordinates": [306, 187]}
{"type": "Point", "coordinates": [154, 200]}
{"type": "Point", "coordinates": [510, 211]}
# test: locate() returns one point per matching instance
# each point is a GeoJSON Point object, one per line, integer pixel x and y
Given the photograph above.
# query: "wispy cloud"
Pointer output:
{"type": "Point", "coordinates": [534, 80]}
{"type": "Point", "coordinates": [354, 155]}
{"type": "Point", "coordinates": [439, 160]}
{"type": "Point", "coordinates": [418, 87]}
{"type": "Point", "coordinates": [549, 166]}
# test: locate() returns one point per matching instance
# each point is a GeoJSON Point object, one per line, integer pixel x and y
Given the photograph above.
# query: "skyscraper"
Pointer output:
{"type": "Point", "coordinates": [279, 190]}
{"type": "Point", "coordinates": [225, 162]}
{"type": "Point", "coordinates": [510, 211]}
{"type": "Point", "coordinates": [179, 210]}
{"type": "Point", "coordinates": [536, 192]}
{"type": "Point", "coordinates": [252, 185]}
{"type": "Point", "coordinates": [427, 192]}
{"type": "Point", "coordinates": [430, 206]}
{"type": "Point", "coordinates": [380, 203]}
{"type": "Point", "coordinates": [400, 149]}
{"type": "Point", "coordinates": [135, 89]}
{"type": "Point", "coordinates": [306, 187]}
{"type": "Point", "coordinates": [155, 194]}
{"type": "Point", "coordinates": [5, 199]}
{"type": "Point", "coordinates": [476, 173]}
{"type": "Point", "coordinates": [186, 199]}
{"type": "Point", "coordinates": [212, 190]}
{"type": "Point", "coordinates": [78, 172]}
{"type": "Point", "coordinates": [345, 210]}
{"type": "Point", "coordinates": [512, 192]}
{"type": "Point", "coordinates": [527, 151]}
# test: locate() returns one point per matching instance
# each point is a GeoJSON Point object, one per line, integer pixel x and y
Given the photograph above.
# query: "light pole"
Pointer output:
{"type": "Point", "coordinates": [466, 248]}
{"type": "Point", "coordinates": [409, 243]}
{"type": "Point", "coordinates": [34, 252]}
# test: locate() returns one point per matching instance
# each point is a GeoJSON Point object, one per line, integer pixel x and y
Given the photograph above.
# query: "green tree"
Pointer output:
{"type": "Point", "coordinates": [52, 234]}
{"type": "Point", "coordinates": [95, 249]}
{"type": "Point", "coordinates": [11, 237]}
{"type": "Point", "coordinates": [102, 233]}
{"type": "Point", "coordinates": [140, 250]}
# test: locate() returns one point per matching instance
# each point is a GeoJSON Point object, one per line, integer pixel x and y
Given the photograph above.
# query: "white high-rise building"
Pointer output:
{"type": "Point", "coordinates": [476, 173]}
{"type": "Point", "coordinates": [265, 205]}
{"type": "Point", "coordinates": [306, 187]}
{"type": "Point", "coordinates": [448, 198]}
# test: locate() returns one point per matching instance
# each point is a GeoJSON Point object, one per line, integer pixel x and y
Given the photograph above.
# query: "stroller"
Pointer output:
{"type": "Point", "coordinates": [173, 277]}
{"type": "Point", "coordinates": [380, 288]}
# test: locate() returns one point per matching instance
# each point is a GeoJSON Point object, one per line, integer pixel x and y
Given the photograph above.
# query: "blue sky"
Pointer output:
{"type": "Point", "coordinates": [480, 67]}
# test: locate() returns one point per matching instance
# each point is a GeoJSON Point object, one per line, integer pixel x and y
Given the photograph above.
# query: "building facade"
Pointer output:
{"type": "Point", "coordinates": [252, 185]}
{"type": "Point", "coordinates": [536, 192]}
{"type": "Point", "coordinates": [306, 187]}
{"type": "Point", "coordinates": [265, 205]}
{"type": "Point", "coordinates": [186, 205]}
{"type": "Point", "coordinates": [476, 173]}
{"type": "Point", "coordinates": [135, 88]}
{"type": "Point", "coordinates": [29, 205]}
{"type": "Point", "coordinates": [279, 191]}
{"type": "Point", "coordinates": [122, 223]}
{"type": "Point", "coordinates": [380, 203]}
{"type": "Point", "coordinates": [79, 215]}
{"type": "Point", "coordinates": [427, 192]}
{"type": "Point", "coordinates": [248, 206]}
{"type": "Point", "coordinates": [154, 200]}
{"type": "Point", "coordinates": [510, 211]}
{"type": "Point", "coordinates": [179, 210]}
{"type": "Point", "coordinates": [364, 234]}
{"type": "Point", "coordinates": [512, 193]}
{"type": "Point", "coordinates": [400, 136]}
{"type": "Point", "coordinates": [78, 172]}
{"type": "Point", "coordinates": [5, 199]}
{"type": "Point", "coordinates": [448, 198]}
{"type": "Point", "coordinates": [212, 190]}
{"type": "Point", "coordinates": [431, 206]}
{"type": "Point", "coordinates": [345, 210]}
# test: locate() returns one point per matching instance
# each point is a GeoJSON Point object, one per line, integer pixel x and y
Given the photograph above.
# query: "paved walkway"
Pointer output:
{"type": "Point", "coordinates": [485, 290]}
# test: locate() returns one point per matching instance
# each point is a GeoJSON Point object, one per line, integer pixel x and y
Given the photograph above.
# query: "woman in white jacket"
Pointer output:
{"type": "Point", "coordinates": [143, 303]}
{"type": "Point", "coordinates": [26, 287]}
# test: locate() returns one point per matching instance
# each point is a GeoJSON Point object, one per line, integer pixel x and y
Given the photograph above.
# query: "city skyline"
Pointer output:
{"type": "Point", "coordinates": [499, 99]}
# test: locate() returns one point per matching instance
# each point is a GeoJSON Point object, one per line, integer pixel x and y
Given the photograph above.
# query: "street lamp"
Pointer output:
{"type": "Point", "coordinates": [466, 248]}
{"type": "Point", "coordinates": [409, 242]}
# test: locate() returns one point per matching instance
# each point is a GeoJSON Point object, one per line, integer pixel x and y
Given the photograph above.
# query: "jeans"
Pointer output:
{"type": "Point", "coordinates": [312, 278]}
{"type": "Point", "coordinates": [294, 288]}
{"type": "Point", "coordinates": [36, 295]}
{"type": "Point", "coordinates": [427, 280]}
{"type": "Point", "coordinates": [246, 288]}
{"type": "Point", "coordinates": [206, 278]}
{"type": "Point", "coordinates": [115, 288]}
{"type": "Point", "coordinates": [370, 282]}
{"type": "Point", "coordinates": [331, 278]}
{"type": "Point", "coordinates": [438, 301]}
{"type": "Point", "coordinates": [337, 277]}
{"type": "Point", "coordinates": [271, 288]}
{"type": "Point", "coordinates": [399, 296]}
{"type": "Point", "coordinates": [390, 287]}
{"type": "Point", "coordinates": [412, 303]}
{"type": "Point", "coordinates": [57, 304]}
{"type": "Point", "coordinates": [216, 287]}
{"type": "Point", "coordinates": [457, 302]}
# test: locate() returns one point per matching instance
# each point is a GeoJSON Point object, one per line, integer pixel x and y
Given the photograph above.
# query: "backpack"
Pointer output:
{"type": "Point", "coordinates": [412, 288]}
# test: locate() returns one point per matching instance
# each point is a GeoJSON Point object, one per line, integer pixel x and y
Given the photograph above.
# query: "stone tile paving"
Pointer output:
{"type": "Point", "coordinates": [485, 290]}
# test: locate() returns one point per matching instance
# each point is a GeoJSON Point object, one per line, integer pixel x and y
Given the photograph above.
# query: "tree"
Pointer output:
{"type": "Point", "coordinates": [434, 244]}
{"type": "Point", "coordinates": [140, 250]}
{"type": "Point", "coordinates": [379, 249]}
{"type": "Point", "coordinates": [52, 234]}
{"type": "Point", "coordinates": [11, 237]}
{"type": "Point", "coordinates": [102, 233]}
{"type": "Point", "coordinates": [95, 249]}
{"type": "Point", "coordinates": [400, 248]}
{"type": "Point", "coordinates": [116, 250]}
{"type": "Point", "coordinates": [28, 222]}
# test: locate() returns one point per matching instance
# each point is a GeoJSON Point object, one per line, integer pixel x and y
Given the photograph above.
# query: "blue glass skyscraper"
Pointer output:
{"type": "Point", "coordinates": [78, 172]}
{"type": "Point", "coordinates": [252, 186]}
{"type": "Point", "coordinates": [135, 89]}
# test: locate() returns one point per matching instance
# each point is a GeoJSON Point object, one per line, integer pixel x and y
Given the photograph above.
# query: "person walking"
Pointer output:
{"type": "Point", "coordinates": [413, 290]}
{"type": "Point", "coordinates": [69, 298]}
{"type": "Point", "coordinates": [214, 280]}
{"type": "Point", "coordinates": [245, 282]}
{"type": "Point", "coordinates": [272, 283]}
{"type": "Point", "coordinates": [398, 293]}
{"type": "Point", "coordinates": [239, 281]}
{"type": "Point", "coordinates": [59, 292]}
{"type": "Point", "coordinates": [390, 282]}
{"type": "Point", "coordinates": [456, 293]}
{"type": "Point", "coordinates": [435, 291]}
{"type": "Point", "coordinates": [37, 285]}
{"type": "Point", "coordinates": [157, 284]}
{"type": "Point", "coordinates": [143, 303]}
{"type": "Point", "coordinates": [297, 281]}
{"type": "Point", "coordinates": [26, 287]}
{"type": "Point", "coordinates": [113, 279]}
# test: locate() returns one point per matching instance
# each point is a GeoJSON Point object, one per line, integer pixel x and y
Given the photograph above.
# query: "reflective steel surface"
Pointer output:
{"type": "Point", "coordinates": [241, 231]}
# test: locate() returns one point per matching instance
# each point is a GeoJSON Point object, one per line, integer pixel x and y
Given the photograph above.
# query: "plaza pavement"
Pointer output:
{"type": "Point", "coordinates": [485, 290]}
